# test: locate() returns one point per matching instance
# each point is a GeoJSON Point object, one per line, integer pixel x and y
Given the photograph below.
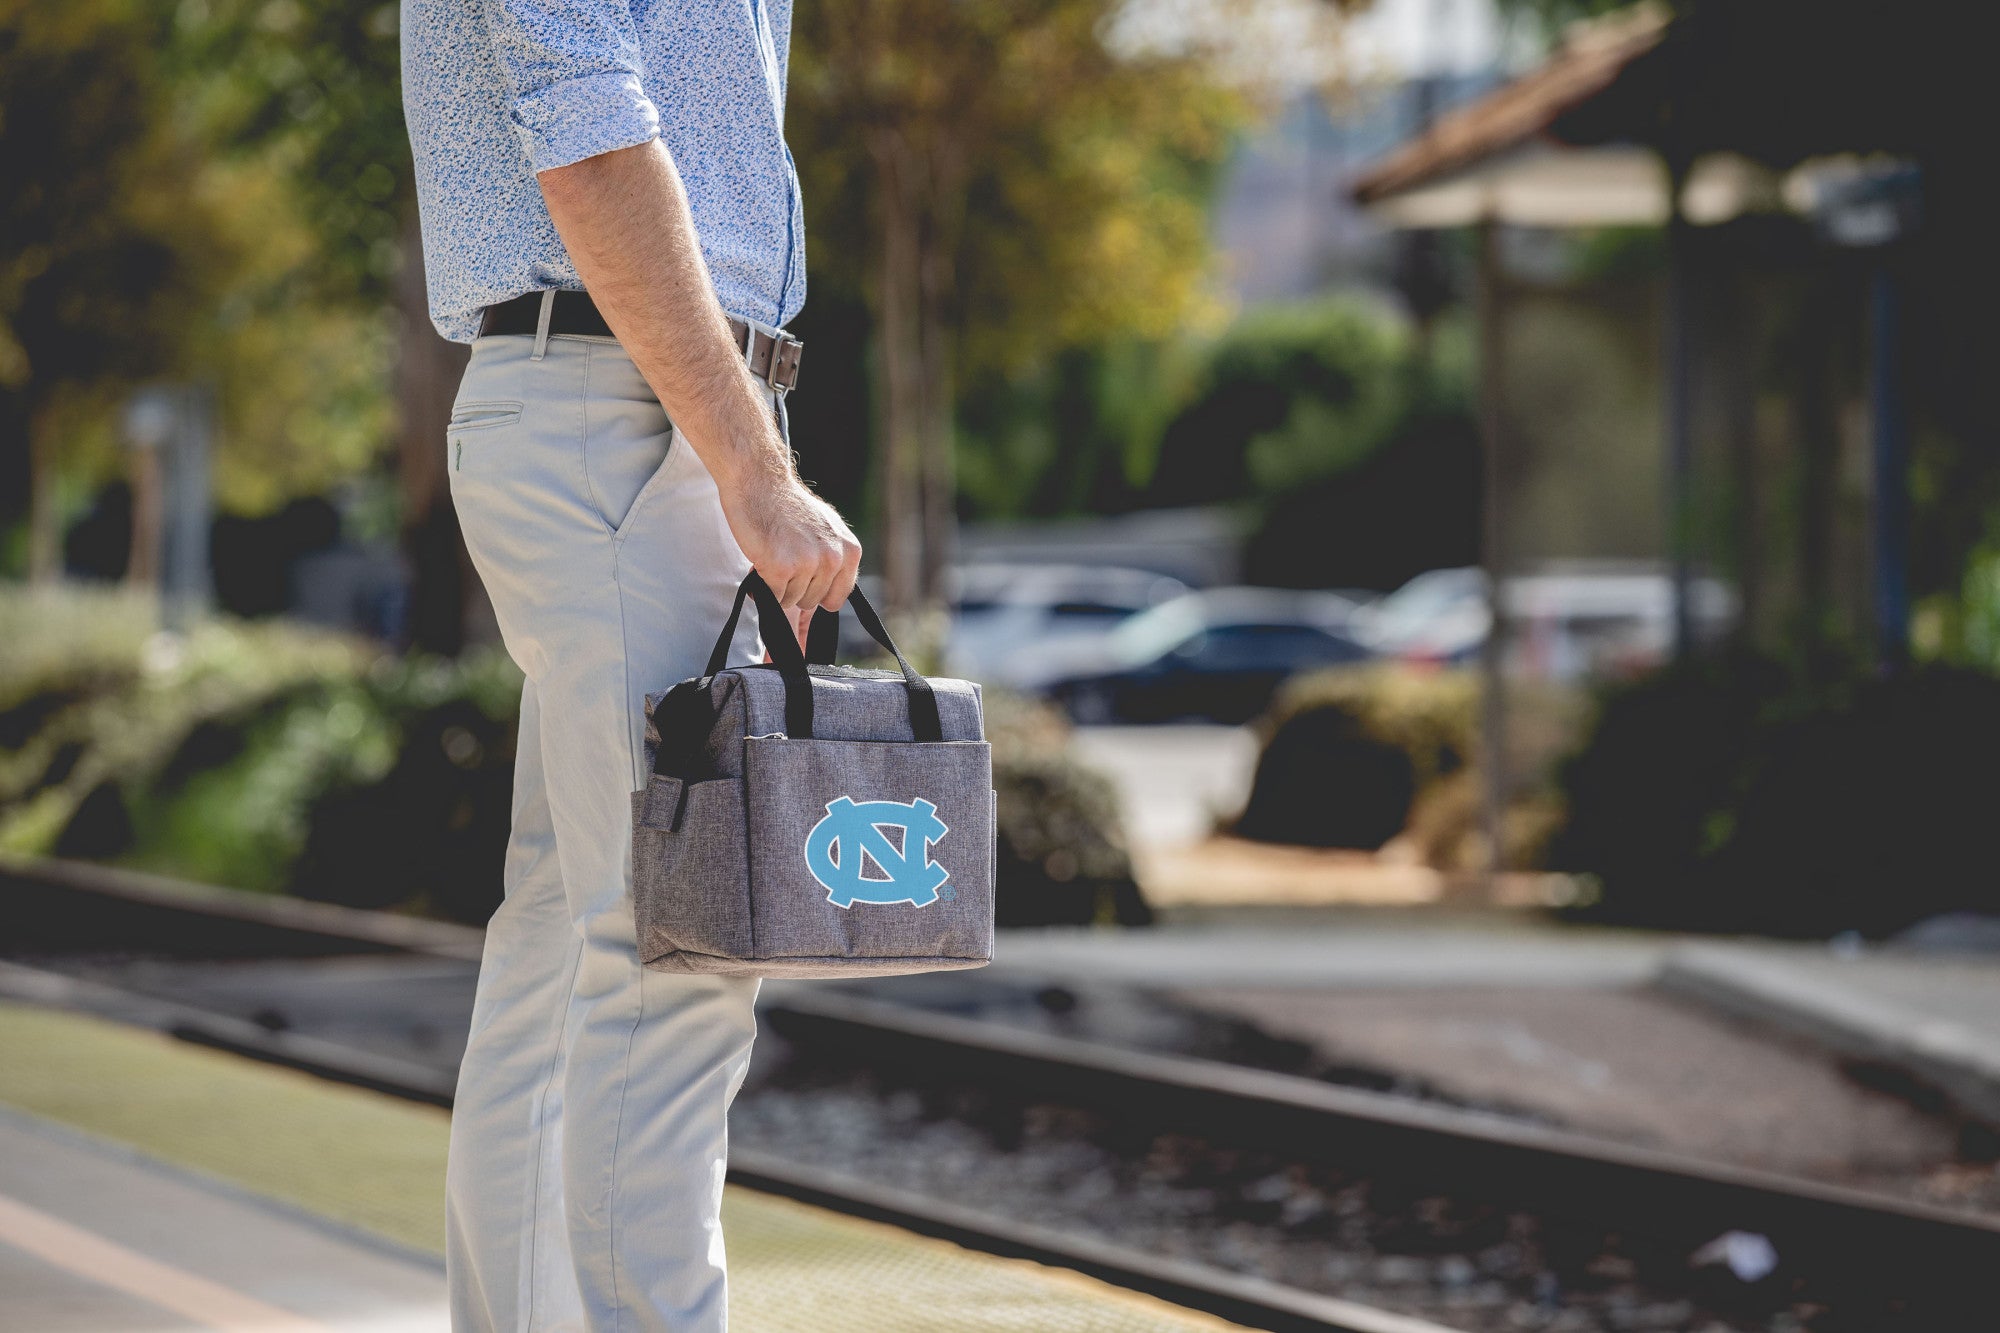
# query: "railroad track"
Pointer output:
{"type": "Point", "coordinates": [1831, 1236]}
{"type": "Point", "coordinates": [48, 908]}
{"type": "Point", "coordinates": [1831, 1229]}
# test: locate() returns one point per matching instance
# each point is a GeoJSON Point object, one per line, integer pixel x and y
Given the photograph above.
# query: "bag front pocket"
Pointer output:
{"type": "Point", "coordinates": [690, 878]}
{"type": "Point", "coordinates": [870, 849]}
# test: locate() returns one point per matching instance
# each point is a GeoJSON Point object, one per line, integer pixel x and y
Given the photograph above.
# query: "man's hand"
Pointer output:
{"type": "Point", "coordinates": [797, 541]}
{"type": "Point", "coordinates": [624, 218]}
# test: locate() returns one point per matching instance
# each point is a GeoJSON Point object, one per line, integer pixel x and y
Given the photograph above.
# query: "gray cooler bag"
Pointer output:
{"type": "Point", "coordinates": [810, 820]}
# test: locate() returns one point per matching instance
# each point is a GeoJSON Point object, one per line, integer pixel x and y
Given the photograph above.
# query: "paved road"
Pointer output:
{"type": "Point", "coordinates": [1173, 781]}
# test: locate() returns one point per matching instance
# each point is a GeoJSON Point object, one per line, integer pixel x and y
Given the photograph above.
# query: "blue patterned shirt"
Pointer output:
{"type": "Point", "coordinates": [497, 90]}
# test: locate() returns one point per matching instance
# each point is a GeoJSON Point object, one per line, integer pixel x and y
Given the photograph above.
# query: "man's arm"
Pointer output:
{"type": "Point", "coordinates": [624, 218]}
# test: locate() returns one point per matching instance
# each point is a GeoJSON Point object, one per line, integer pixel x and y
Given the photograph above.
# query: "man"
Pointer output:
{"type": "Point", "coordinates": [611, 218]}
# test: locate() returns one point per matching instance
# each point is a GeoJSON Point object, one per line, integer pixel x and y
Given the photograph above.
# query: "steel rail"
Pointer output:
{"type": "Point", "coordinates": [1829, 1229]}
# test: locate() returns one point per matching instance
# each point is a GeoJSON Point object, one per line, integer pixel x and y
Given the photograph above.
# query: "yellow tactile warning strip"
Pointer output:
{"type": "Point", "coordinates": [378, 1163]}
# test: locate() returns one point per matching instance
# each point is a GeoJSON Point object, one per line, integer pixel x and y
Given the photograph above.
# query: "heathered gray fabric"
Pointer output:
{"type": "Point", "coordinates": [706, 864]}
{"type": "Point", "coordinates": [792, 783]}
{"type": "Point", "coordinates": [728, 888]}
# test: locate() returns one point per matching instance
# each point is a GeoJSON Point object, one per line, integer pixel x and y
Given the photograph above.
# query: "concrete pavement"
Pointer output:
{"type": "Point", "coordinates": [97, 1239]}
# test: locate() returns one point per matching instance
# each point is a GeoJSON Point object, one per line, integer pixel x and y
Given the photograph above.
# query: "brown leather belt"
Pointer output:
{"type": "Point", "coordinates": [772, 360]}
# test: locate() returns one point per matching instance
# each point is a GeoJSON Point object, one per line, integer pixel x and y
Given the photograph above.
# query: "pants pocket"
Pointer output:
{"type": "Point", "coordinates": [469, 418]}
{"type": "Point", "coordinates": [629, 446]}
{"type": "Point", "coordinates": [482, 416]}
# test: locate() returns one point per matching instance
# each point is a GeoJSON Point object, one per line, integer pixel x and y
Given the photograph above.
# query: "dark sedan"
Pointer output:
{"type": "Point", "coordinates": [1217, 655]}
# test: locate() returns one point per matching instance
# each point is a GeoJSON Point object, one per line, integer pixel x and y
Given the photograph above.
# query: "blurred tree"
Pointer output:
{"type": "Point", "coordinates": [92, 235]}
{"type": "Point", "coordinates": [320, 80]}
{"type": "Point", "coordinates": [131, 250]}
{"type": "Point", "coordinates": [317, 81]}
{"type": "Point", "coordinates": [998, 182]}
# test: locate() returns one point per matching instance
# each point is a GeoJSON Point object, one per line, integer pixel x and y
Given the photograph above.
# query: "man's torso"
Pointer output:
{"type": "Point", "coordinates": [715, 69]}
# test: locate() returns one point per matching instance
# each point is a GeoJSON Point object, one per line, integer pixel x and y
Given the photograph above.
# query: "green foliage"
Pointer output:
{"type": "Point", "coordinates": [1075, 434]}
{"type": "Point", "coordinates": [1289, 394]}
{"type": "Point", "coordinates": [1348, 369]}
{"type": "Point", "coordinates": [1732, 796]}
{"type": "Point", "coordinates": [1546, 18]}
{"type": "Point", "coordinates": [313, 86]}
{"type": "Point", "coordinates": [1432, 716]}
{"type": "Point", "coordinates": [1081, 176]}
{"type": "Point", "coordinates": [1354, 755]}
{"type": "Point", "coordinates": [208, 756]}
{"type": "Point", "coordinates": [1285, 396]}
{"type": "Point", "coordinates": [109, 715]}
{"type": "Point", "coordinates": [271, 757]}
{"type": "Point", "coordinates": [152, 235]}
{"type": "Point", "coordinates": [243, 821]}
{"type": "Point", "coordinates": [1062, 858]}
{"type": "Point", "coordinates": [1347, 752]}
{"type": "Point", "coordinates": [97, 248]}
{"type": "Point", "coordinates": [997, 188]}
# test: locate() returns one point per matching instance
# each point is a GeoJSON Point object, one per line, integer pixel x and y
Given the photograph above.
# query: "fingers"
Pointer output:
{"type": "Point", "coordinates": [820, 586]}
{"type": "Point", "coordinates": [808, 558]}
{"type": "Point", "coordinates": [825, 581]}
{"type": "Point", "coordinates": [786, 586]}
{"type": "Point", "coordinates": [843, 579]}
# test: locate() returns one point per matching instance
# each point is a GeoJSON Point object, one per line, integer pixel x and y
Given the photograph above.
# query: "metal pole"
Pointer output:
{"type": "Point", "coordinates": [185, 586]}
{"type": "Point", "coordinates": [1891, 467]}
{"type": "Point", "coordinates": [1492, 657]}
{"type": "Point", "coordinates": [1677, 414]}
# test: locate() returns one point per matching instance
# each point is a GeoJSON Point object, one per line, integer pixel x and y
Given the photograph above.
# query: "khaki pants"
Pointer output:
{"type": "Point", "coordinates": [588, 1141]}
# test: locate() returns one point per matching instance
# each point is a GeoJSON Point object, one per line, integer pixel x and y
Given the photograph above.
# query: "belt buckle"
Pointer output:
{"type": "Point", "coordinates": [779, 340]}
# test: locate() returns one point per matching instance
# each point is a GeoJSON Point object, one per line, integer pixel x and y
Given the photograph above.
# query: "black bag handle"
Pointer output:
{"type": "Point", "coordinates": [783, 646]}
{"type": "Point", "coordinates": [823, 637]}
{"type": "Point", "coordinates": [779, 642]}
{"type": "Point", "coordinates": [924, 724]}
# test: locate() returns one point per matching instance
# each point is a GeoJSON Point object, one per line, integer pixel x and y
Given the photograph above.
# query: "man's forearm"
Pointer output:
{"type": "Point", "coordinates": [624, 218]}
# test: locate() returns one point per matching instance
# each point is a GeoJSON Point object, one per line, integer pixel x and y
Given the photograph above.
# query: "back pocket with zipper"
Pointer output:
{"type": "Point", "coordinates": [478, 416]}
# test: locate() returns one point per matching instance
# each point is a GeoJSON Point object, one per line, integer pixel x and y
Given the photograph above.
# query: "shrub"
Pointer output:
{"type": "Point", "coordinates": [1650, 790]}
{"type": "Point", "coordinates": [273, 757]}
{"type": "Point", "coordinates": [1324, 781]}
{"type": "Point", "coordinates": [96, 730]}
{"type": "Point", "coordinates": [1867, 811]}
{"type": "Point", "coordinates": [1356, 756]}
{"type": "Point", "coordinates": [1062, 858]}
{"type": "Point", "coordinates": [1724, 797]}
{"type": "Point", "coordinates": [1431, 715]}
{"type": "Point", "coordinates": [1347, 751]}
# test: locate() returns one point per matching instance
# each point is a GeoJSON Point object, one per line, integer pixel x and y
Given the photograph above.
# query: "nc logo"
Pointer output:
{"type": "Point", "coordinates": [851, 834]}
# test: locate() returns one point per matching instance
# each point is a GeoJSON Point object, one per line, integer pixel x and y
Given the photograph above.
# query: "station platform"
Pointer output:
{"type": "Point", "coordinates": [150, 1186]}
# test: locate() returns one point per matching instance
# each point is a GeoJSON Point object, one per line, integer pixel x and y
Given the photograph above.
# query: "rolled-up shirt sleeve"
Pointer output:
{"type": "Point", "coordinates": [574, 77]}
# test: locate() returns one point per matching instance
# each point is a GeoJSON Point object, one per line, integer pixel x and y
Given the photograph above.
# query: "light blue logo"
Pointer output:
{"type": "Point", "coordinates": [853, 834]}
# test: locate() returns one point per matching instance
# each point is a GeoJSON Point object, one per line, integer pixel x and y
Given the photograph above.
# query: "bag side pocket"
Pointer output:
{"type": "Point", "coordinates": [691, 877]}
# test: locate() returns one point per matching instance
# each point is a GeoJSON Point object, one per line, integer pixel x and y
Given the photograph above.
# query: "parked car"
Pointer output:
{"type": "Point", "coordinates": [1570, 621]}
{"type": "Point", "coordinates": [1001, 611]}
{"type": "Point", "coordinates": [1217, 655]}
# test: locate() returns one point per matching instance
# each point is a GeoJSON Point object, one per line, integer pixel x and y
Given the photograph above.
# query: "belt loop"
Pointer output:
{"type": "Point", "coordinates": [542, 324]}
{"type": "Point", "coordinates": [784, 417]}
